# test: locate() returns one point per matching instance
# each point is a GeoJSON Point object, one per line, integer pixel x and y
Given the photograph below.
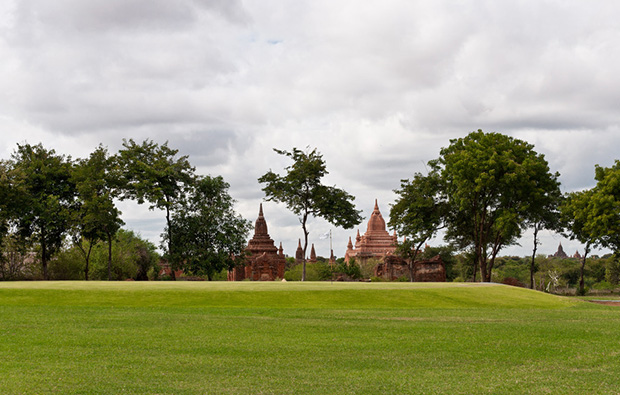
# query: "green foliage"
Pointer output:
{"type": "Point", "coordinates": [43, 209]}
{"type": "Point", "coordinates": [301, 190]}
{"type": "Point", "coordinates": [319, 271]}
{"type": "Point", "coordinates": [153, 173]}
{"type": "Point", "coordinates": [67, 265]}
{"type": "Point", "coordinates": [512, 267]}
{"type": "Point", "coordinates": [96, 217]}
{"type": "Point", "coordinates": [491, 183]}
{"type": "Point", "coordinates": [132, 258]}
{"type": "Point", "coordinates": [418, 214]}
{"type": "Point", "coordinates": [205, 229]}
{"type": "Point", "coordinates": [351, 269]}
{"type": "Point", "coordinates": [612, 270]}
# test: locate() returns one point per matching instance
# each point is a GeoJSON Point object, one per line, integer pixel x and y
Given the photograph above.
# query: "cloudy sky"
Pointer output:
{"type": "Point", "coordinates": [378, 87]}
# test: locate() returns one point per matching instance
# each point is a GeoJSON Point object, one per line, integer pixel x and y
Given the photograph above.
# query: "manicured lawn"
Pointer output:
{"type": "Point", "coordinates": [291, 338]}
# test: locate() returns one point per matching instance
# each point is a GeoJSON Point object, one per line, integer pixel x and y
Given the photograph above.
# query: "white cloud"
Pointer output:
{"type": "Point", "coordinates": [378, 87]}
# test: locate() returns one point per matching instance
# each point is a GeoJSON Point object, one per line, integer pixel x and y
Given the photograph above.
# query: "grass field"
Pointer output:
{"type": "Point", "coordinates": [292, 338]}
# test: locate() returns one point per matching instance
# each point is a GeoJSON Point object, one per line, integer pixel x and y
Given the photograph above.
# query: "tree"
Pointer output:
{"type": "Point", "coordinates": [48, 198]}
{"type": "Point", "coordinates": [543, 211]}
{"type": "Point", "coordinates": [490, 181]}
{"type": "Point", "coordinates": [578, 216]}
{"type": "Point", "coordinates": [593, 216]}
{"type": "Point", "coordinates": [153, 173]}
{"type": "Point", "coordinates": [206, 231]}
{"type": "Point", "coordinates": [418, 214]}
{"type": "Point", "coordinates": [97, 216]}
{"type": "Point", "coordinates": [11, 195]}
{"type": "Point", "coordinates": [300, 189]}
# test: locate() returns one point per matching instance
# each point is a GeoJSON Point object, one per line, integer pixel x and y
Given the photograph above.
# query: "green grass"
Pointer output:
{"type": "Point", "coordinates": [291, 338]}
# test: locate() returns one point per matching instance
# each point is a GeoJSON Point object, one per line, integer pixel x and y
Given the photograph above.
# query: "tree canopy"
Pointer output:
{"type": "Point", "coordinates": [45, 208]}
{"type": "Point", "coordinates": [153, 173]}
{"type": "Point", "coordinates": [418, 213]}
{"type": "Point", "coordinates": [97, 217]}
{"type": "Point", "coordinates": [490, 182]}
{"type": "Point", "coordinates": [206, 231]}
{"type": "Point", "coordinates": [301, 190]}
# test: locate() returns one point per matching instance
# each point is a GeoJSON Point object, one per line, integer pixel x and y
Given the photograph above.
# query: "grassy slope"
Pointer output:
{"type": "Point", "coordinates": [302, 338]}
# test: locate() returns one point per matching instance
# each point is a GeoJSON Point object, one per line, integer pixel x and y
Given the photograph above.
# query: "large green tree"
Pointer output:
{"type": "Point", "coordinates": [48, 198]}
{"type": "Point", "coordinates": [417, 214]}
{"type": "Point", "coordinates": [301, 190]}
{"type": "Point", "coordinates": [97, 217]}
{"type": "Point", "coordinates": [490, 181]}
{"type": "Point", "coordinates": [542, 210]}
{"type": "Point", "coordinates": [579, 220]}
{"type": "Point", "coordinates": [154, 173]}
{"type": "Point", "coordinates": [206, 231]}
{"type": "Point", "coordinates": [593, 216]}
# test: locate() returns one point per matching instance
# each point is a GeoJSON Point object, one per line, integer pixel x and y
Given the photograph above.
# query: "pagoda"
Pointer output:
{"type": "Point", "coordinates": [263, 261]}
{"type": "Point", "coordinates": [375, 243]}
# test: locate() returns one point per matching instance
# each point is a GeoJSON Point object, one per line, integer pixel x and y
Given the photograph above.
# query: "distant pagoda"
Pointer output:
{"type": "Point", "coordinates": [264, 261]}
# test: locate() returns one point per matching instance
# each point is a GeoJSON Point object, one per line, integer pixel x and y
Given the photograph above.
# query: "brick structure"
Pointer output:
{"type": "Point", "coordinates": [430, 270]}
{"type": "Point", "coordinates": [559, 253]}
{"type": "Point", "coordinates": [375, 243]}
{"type": "Point", "coordinates": [264, 261]}
{"type": "Point", "coordinates": [312, 254]}
{"type": "Point", "coordinates": [299, 253]}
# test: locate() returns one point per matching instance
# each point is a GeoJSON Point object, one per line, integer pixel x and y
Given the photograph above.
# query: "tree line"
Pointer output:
{"type": "Point", "coordinates": [483, 191]}
{"type": "Point", "coordinates": [48, 200]}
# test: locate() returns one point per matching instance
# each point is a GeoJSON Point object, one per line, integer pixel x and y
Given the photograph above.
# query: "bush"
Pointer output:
{"type": "Point", "coordinates": [68, 265]}
{"type": "Point", "coordinates": [376, 279]}
{"type": "Point", "coordinates": [582, 292]}
{"type": "Point", "coordinates": [603, 285]}
{"type": "Point", "coordinates": [318, 271]}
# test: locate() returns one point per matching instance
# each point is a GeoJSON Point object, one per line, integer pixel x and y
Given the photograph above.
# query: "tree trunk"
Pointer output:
{"type": "Point", "coordinates": [303, 226]}
{"type": "Point", "coordinates": [109, 256]}
{"type": "Point", "coordinates": [170, 263]}
{"type": "Point", "coordinates": [412, 263]}
{"type": "Point", "coordinates": [44, 261]}
{"type": "Point", "coordinates": [44, 254]}
{"type": "Point", "coordinates": [533, 263]}
{"type": "Point", "coordinates": [583, 265]}
{"type": "Point", "coordinates": [90, 248]}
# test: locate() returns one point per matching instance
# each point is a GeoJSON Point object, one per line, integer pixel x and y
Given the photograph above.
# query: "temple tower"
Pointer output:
{"type": "Point", "coordinates": [375, 243]}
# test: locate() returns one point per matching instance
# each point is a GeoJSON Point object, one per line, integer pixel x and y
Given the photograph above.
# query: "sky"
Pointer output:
{"type": "Point", "coordinates": [377, 87]}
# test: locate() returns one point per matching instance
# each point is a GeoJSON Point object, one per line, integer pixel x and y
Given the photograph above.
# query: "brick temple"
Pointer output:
{"type": "Point", "coordinates": [375, 243]}
{"type": "Point", "coordinates": [264, 261]}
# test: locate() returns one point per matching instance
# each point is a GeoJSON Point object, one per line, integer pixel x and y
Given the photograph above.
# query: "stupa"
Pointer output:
{"type": "Point", "coordinates": [264, 261]}
{"type": "Point", "coordinates": [375, 243]}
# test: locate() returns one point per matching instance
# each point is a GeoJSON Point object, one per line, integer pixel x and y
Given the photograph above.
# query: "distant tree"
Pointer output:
{"type": "Point", "coordinates": [593, 216]}
{"type": "Point", "coordinates": [300, 189]}
{"type": "Point", "coordinates": [543, 209]}
{"type": "Point", "coordinates": [97, 216]}
{"type": "Point", "coordinates": [13, 248]}
{"type": "Point", "coordinates": [206, 231]}
{"type": "Point", "coordinates": [418, 214]}
{"type": "Point", "coordinates": [8, 198]}
{"type": "Point", "coordinates": [153, 173]}
{"type": "Point", "coordinates": [578, 211]}
{"type": "Point", "coordinates": [48, 199]}
{"type": "Point", "coordinates": [489, 181]}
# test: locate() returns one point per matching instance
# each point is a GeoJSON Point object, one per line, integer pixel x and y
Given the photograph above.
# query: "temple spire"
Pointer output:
{"type": "Point", "coordinates": [260, 228]}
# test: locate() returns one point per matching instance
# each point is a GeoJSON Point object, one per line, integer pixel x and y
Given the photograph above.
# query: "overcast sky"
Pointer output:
{"type": "Point", "coordinates": [378, 87]}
